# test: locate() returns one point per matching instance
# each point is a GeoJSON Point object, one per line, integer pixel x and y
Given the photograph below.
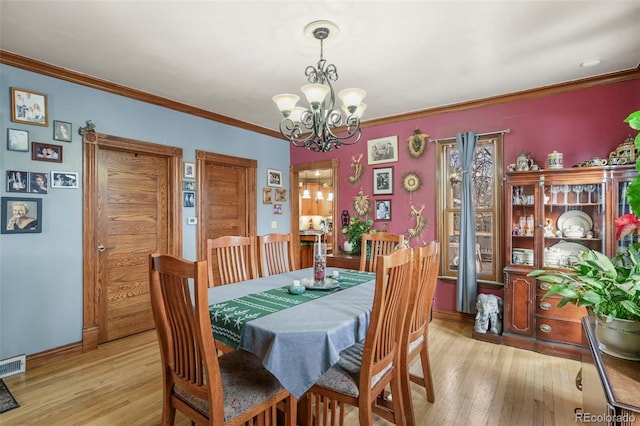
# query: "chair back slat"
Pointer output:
{"type": "Point", "coordinates": [231, 259]}
{"type": "Point", "coordinates": [425, 277]}
{"type": "Point", "coordinates": [275, 254]}
{"type": "Point", "coordinates": [377, 244]}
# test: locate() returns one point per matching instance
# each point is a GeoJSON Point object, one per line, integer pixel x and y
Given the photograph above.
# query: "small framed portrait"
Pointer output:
{"type": "Point", "coordinates": [189, 171]}
{"type": "Point", "coordinates": [61, 131]}
{"type": "Point", "coordinates": [277, 209]}
{"type": "Point", "coordinates": [21, 215]}
{"type": "Point", "coordinates": [274, 178]}
{"type": "Point", "coordinates": [383, 150]}
{"type": "Point", "coordinates": [383, 181]}
{"type": "Point", "coordinates": [383, 209]}
{"type": "Point", "coordinates": [29, 107]}
{"type": "Point", "coordinates": [64, 180]}
{"type": "Point", "coordinates": [281, 195]}
{"type": "Point", "coordinates": [267, 197]}
{"type": "Point", "coordinates": [45, 152]}
{"type": "Point", "coordinates": [188, 199]}
{"type": "Point", "coordinates": [17, 181]}
{"type": "Point", "coordinates": [38, 182]}
{"type": "Point", "coordinates": [188, 185]}
{"type": "Point", "coordinates": [17, 140]}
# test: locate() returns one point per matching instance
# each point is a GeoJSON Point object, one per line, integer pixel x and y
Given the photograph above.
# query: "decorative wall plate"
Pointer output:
{"type": "Point", "coordinates": [411, 182]}
{"type": "Point", "coordinates": [417, 143]}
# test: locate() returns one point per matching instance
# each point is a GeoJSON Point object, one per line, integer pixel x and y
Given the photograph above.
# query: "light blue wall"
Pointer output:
{"type": "Point", "coordinates": [41, 274]}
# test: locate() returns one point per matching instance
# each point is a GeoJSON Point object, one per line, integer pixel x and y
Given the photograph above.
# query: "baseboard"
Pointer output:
{"type": "Point", "coordinates": [453, 316]}
{"type": "Point", "coordinates": [53, 355]}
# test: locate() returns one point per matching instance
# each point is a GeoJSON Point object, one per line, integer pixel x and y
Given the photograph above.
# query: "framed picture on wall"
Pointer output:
{"type": "Point", "coordinates": [274, 178]}
{"type": "Point", "coordinates": [189, 171]}
{"type": "Point", "coordinates": [281, 195]}
{"type": "Point", "coordinates": [61, 131]}
{"type": "Point", "coordinates": [29, 107]}
{"type": "Point", "coordinates": [64, 180]}
{"type": "Point", "coordinates": [267, 196]}
{"type": "Point", "coordinates": [277, 209]}
{"type": "Point", "coordinates": [383, 209]}
{"type": "Point", "coordinates": [383, 181]}
{"type": "Point", "coordinates": [17, 181]}
{"type": "Point", "coordinates": [46, 152]}
{"type": "Point", "coordinates": [383, 150]}
{"type": "Point", "coordinates": [188, 199]}
{"type": "Point", "coordinates": [21, 215]}
{"type": "Point", "coordinates": [17, 140]}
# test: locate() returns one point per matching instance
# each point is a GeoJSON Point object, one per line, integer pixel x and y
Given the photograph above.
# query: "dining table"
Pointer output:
{"type": "Point", "coordinates": [298, 337]}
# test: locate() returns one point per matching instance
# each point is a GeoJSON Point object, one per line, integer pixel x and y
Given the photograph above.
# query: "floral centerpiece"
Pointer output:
{"type": "Point", "coordinates": [608, 287]}
{"type": "Point", "coordinates": [353, 232]}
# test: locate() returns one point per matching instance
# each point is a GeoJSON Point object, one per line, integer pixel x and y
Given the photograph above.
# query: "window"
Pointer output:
{"type": "Point", "coordinates": [486, 172]}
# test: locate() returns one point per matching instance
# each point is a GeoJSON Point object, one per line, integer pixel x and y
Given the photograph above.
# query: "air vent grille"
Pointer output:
{"type": "Point", "coordinates": [11, 366]}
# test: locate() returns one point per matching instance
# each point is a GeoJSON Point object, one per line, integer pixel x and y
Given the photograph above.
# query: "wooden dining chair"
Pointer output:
{"type": "Point", "coordinates": [229, 390]}
{"type": "Point", "coordinates": [231, 259]}
{"type": "Point", "coordinates": [366, 368]}
{"type": "Point", "coordinates": [380, 244]}
{"type": "Point", "coordinates": [415, 335]}
{"type": "Point", "coordinates": [275, 254]}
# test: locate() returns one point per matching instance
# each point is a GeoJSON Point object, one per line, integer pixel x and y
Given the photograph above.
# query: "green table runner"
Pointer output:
{"type": "Point", "coordinates": [229, 318]}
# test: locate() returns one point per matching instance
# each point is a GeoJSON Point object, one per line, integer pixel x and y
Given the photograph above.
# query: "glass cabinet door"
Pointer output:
{"type": "Point", "coordinates": [574, 221]}
{"type": "Point", "coordinates": [523, 224]}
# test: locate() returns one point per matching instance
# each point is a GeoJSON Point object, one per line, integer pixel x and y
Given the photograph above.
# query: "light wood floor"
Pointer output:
{"type": "Point", "coordinates": [476, 383]}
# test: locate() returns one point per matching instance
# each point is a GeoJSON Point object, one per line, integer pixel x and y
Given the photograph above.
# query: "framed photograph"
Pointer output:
{"type": "Point", "coordinates": [383, 150]}
{"type": "Point", "coordinates": [17, 181]}
{"type": "Point", "coordinates": [189, 170]}
{"type": "Point", "coordinates": [17, 140]}
{"type": "Point", "coordinates": [21, 215]}
{"type": "Point", "coordinates": [277, 209]}
{"type": "Point", "coordinates": [188, 185]}
{"type": "Point", "coordinates": [267, 197]}
{"type": "Point", "coordinates": [45, 152]}
{"type": "Point", "coordinates": [383, 209]}
{"type": "Point", "coordinates": [29, 107]}
{"type": "Point", "coordinates": [38, 182]}
{"type": "Point", "coordinates": [281, 195]}
{"type": "Point", "coordinates": [64, 180]}
{"type": "Point", "coordinates": [274, 178]}
{"type": "Point", "coordinates": [188, 199]}
{"type": "Point", "coordinates": [383, 181]}
{"type": "Point", "coordinates": [61, 131]}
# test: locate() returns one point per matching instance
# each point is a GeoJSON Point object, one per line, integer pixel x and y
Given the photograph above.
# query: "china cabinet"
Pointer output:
{"type": "Point", "coordinates": [550, 216]}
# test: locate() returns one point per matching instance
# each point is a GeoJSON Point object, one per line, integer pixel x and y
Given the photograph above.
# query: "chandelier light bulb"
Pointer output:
{"type": "Point", "coordinates": [352, 98]}
{"type": "Point", "coordinates": [286, 103]}
{"type": "Point", "coordinates": [315, 94]}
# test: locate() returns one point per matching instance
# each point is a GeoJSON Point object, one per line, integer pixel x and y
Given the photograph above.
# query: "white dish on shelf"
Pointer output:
{"type": "Point", "coordinates": [575, 218]}
{"type": "Point", "coordinates": [329, 284]}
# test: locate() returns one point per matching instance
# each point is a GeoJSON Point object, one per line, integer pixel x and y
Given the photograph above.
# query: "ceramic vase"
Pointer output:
{"type": "Point", "coordinates": [619, 338]}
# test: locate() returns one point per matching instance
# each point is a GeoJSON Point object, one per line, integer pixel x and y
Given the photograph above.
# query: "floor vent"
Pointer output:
{"type": "Point", "coordinates": [11, 366]}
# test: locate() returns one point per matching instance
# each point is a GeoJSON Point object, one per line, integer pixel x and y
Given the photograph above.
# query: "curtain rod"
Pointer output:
{"type": "Point", "coordinates": [479, 134]}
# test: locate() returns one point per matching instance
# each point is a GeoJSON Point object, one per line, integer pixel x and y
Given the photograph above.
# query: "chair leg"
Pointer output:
{"type": "Point", "coordinates": [397, 395]}
{"type": "Point", "coordinates": [426, 381]}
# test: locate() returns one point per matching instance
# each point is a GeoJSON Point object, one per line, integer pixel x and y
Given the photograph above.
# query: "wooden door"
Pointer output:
{"type": "Point", "coordinates": [132, 209]}
{"type": "Point", "coordinates": [226, 197]}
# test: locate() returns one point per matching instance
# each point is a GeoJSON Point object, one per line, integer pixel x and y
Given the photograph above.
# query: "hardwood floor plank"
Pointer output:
{"type": "Point", "coordinates": [476, 383]}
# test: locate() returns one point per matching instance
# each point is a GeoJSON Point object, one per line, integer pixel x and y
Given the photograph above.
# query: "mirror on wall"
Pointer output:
{"type": "Point", "coordinates": [314, 207]}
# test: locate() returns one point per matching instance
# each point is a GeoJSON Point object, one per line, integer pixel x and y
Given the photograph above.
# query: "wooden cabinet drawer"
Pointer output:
{"type": "Point", "coordinates": [549, 307]}
{"type": "Point", "coordinates": [559, 330]}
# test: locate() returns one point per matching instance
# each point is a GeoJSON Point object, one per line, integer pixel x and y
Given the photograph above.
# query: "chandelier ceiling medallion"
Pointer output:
{"type": "Point", "coordinates": [314, 127]}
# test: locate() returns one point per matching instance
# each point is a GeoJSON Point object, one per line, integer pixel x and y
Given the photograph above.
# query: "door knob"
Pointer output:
{"type": "Point", "coordinates": [102, 248]}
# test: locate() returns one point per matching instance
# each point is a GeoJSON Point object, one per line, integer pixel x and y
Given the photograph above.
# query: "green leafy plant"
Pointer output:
{"type": "Point", "coordinates": [609, 287]}
{"type": "Point", "coordinates": [633, 191]}
{"type": "Point", "coordinates": [353, 232]}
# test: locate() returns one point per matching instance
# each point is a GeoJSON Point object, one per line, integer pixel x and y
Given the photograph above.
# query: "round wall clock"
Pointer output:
{"type": "Point", "coordinates": [411, 182]}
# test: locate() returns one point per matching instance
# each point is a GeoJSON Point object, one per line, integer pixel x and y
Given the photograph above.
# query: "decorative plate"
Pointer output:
{"type": "Point", "coordinates": [411, 182]}
{"type": "Point", "coordinates": [329, 284]}
{"type": "Point", "coordinates": [575, 218]}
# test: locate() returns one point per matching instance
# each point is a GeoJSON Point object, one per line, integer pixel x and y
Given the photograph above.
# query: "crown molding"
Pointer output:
{"type": "Point", "coordinates": [32, 65]}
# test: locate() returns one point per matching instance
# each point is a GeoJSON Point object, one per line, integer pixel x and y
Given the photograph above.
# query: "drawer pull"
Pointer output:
{"type": "Point", "coordinates": [545, 306]}
{"type": "Point", "coordinates": [544, 286]}
{"type": "Point", "coordinates": [545, 328]}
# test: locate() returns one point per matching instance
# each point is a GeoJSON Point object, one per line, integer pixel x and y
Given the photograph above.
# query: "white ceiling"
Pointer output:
{"type": "Point", "coordinates": [231, 57]}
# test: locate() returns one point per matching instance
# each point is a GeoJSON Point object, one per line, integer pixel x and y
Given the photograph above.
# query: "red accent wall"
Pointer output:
{"type": "Point", "coordinates": [581, 124]}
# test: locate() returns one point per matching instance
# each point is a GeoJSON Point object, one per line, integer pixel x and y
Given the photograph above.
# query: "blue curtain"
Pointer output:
{"type": "Point", "coordinates": [466, 290]}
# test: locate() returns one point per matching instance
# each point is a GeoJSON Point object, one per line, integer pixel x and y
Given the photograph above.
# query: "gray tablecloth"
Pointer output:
{"type": "Point", "coordinates": [298, 345]}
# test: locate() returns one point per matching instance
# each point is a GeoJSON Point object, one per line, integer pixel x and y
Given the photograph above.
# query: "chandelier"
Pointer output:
{"type": "Point", "coordinates": [314, 127]}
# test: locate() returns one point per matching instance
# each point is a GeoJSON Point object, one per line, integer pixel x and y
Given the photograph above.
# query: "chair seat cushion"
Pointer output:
{"type": "Point", "coordinates": [344, 376]}
{"type": "Point", "coordinates": [245, 383]}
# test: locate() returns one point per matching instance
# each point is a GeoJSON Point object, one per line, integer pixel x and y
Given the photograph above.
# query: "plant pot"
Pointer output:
{"type": "Point", "coordinates": [619, 338]}
{"type": "Point", "coordinates": [347, 247]}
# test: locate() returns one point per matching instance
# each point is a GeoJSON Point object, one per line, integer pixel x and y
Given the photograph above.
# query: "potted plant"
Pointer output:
{"type": "Point", "coordinates": [608, 288]}
{"type": "Point", "coordinates": [353, 233]}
